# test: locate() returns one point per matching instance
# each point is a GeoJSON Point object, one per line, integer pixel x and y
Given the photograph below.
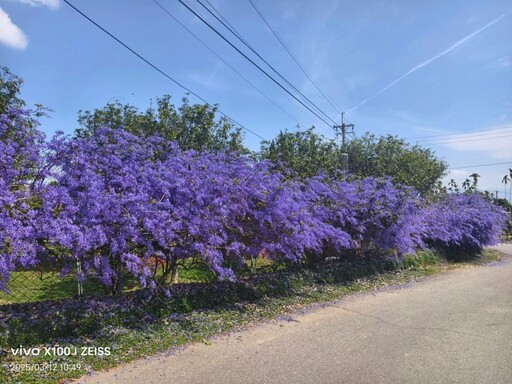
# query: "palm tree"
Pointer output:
{"type": "Point", "coordinates": [510, 189]}
{"type": "Point", "coordinates": [466, 184]}
{"type": "Point", "coordinates": [505, 180]}
{"type": "Point", "coordinates": [452, 186]}
{"type": "Point", "coordinates": [475, 177]}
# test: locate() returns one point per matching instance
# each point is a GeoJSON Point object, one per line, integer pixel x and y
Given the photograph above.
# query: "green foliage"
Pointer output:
{"type": "Point", "coordinates": [304, 153]}
{"type": "Point", "coordinates": [10, 86]}
{"type": "Point", "coordinates": [422, 259]}
{"type": "Point", "coordinates": [504, 203]}
{"type": "Point", "coordinates": [29, 286]}
{"type": "Point", "coordinates": [191, 126]}
{"type": "Point", "coordinates": [389, 155]}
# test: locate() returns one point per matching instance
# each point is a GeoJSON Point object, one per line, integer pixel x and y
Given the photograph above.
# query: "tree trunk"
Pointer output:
{"type": "Point", "coordinates": [174, 272]}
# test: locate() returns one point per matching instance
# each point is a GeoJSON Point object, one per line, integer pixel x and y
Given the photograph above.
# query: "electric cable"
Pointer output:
{"type": "Point", "coordinates": [472, 133]}
{"type": "Point", "coordinates": [224, 61]}
{"type": "Point", "coordinates": [481, 165]}
{"type": "Point", "coordinates": [158, 69]}
{"type": "Point", "coordinates": [452, 141]}
{"type": "Point", "coordinates": [294, 57]}
{"type": "Point", "coordinates": [254, 63]}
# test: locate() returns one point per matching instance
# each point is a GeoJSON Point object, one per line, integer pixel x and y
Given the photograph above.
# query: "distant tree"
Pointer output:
{"type": "Point", "coordinates": [302, 153]}
{"type": "Point", "coordinates": [505, 180]}
{"type": "Point", "coordinates": [466, 185]}
{"type": "Point", "coordinates": [306, 153]}
{"type": "Point", "coordinates": [191, 126]}
{"type": "Point", "coordinates": [510, 190]}
{"type": "Point", "coordinates": [475, 176]}
{"type": "Point", "coordinates": [391, 156]}
{"type": "Point", "coordinates": [505, 204]}
{"type": "Point", "coordinates": [10, 86]}
{"type": "Point", "coordinates": [439, 188]}
{"type": "Point", "coordinates": [453, 187]}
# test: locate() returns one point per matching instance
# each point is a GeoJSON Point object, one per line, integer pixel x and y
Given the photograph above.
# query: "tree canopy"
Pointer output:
{"type": "Point", "coordinates": [191, 126]}
{"type": "Point", "coordinates": [10, 86]}
{"type": "Point", "coordinates": [303, 153]}
{"type": "Point", "coordinates": [389, 155]}
{"type": "Point", "coordinates": [306, 154]}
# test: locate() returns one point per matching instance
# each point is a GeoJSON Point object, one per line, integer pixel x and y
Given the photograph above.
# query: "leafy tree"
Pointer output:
{"type": "Point", "coordinates": [191, 126]}
{"type": "Point", "coordinates": [510, 179]}
{"type": "Point", "coordinates": [505, 204]}
{"type": "Point", "coordinates": [10, 86]}
{"type": "Point", "coordinates": [389, 155]}
{"type": "Point", "coordinates": [21, 175]}
{"type": "Point", "coordinates": [475, 176]}
{"type": "Point", "coordinates": [302, 153]}
{"type": "Point", "coordinates": [453, 187]}
{"type": "Point", "coordinates": [306, 154]}
{"type": "Point", "coordinates": [505, 180]}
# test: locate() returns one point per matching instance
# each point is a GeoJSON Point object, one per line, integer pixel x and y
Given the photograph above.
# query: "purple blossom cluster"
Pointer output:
{"type": "Point", "coordinates": [463, 222]}
{"type": "Point", "coordinates": [21, 171]}
{"type": "Point", "coordinates": [113, 201]}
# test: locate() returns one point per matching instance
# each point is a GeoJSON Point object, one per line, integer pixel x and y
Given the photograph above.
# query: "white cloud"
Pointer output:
{"type": "Point", "coordinates": [453, 173]}
{"type": "Point", "coordinates": [496, 143]}
{"type": "Point", "coordinates": [504, 62]}
{"type": "Point", "coordinates": [36, 3]}
{"type": "Point", "coordinates": [10, 33]}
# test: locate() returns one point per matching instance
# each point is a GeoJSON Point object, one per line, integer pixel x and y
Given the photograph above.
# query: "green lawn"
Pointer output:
{"type": "Point", "coordinates": [31, 286]}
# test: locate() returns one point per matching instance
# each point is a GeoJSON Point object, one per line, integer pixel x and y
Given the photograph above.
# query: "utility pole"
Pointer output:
{"type": "Point", "coordinates": [344, 128]}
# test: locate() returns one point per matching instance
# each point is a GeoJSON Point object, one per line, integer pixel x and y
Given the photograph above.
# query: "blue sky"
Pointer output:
{"type": "Point", "coordinates": [423, 70]}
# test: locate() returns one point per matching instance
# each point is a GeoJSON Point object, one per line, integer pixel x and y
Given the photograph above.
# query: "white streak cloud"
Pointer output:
{"type": "Point", "coordinates": [427, 62]}
{"type": "Point", "coordinates": [36, 3]}
{"type": "Point", "coordinates": [10, 34]}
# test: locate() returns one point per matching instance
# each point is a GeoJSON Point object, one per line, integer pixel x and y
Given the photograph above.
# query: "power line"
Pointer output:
{"type": "Point", "coordinates": [233, 31]}
{"type": "Point", "coordinates": [158, 69]}
{"type": "Point", "coordinates": [472, 133]}
{"type": "Point", "coordinates": [240, 37]}
{"type": "Point", "coordinates": [451, 141]}
{"type": "Point", "coordinates": [237, 35]}
{"type": "Point", "coordinates": [481, 165]}
{"type": "Point", "coordinates": [231, 28]}
{"type": "Point", "coordinates": [224, 61]}
{"type": "Point", "coordinates": [300, 65]}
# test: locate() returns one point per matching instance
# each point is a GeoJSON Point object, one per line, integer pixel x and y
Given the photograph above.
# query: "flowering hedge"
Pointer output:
{"type": "Point", "coordinates": [463, 222]}
{"type": "Point", "coordinates": [112, 201]}
{"type": "Point", "coordinates": [21, 168]}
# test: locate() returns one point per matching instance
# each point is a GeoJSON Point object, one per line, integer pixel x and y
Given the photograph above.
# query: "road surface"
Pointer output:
{"type": "Point", "coordinates": [455, 327]}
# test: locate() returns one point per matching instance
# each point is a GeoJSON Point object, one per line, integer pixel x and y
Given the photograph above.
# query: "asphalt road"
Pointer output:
{"type": "Point", "coordinates": [455, 327]}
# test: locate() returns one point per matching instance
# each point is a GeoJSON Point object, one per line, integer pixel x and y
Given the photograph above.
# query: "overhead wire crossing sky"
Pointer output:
{"type": "Point", "coordinates": [222, 36]}
{"type": "Point", "coordinates": [158, 69]}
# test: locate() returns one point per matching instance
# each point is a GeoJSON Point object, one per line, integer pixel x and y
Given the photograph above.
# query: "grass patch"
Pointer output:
{"type": "Point", "coordinates": [138, 323]}
{"type": "Point", "coordinates": [30, 286]}
{"type": "Point", "coordinates": [33, 286]}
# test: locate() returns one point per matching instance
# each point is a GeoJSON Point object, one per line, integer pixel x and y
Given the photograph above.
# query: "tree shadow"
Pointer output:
{"type": "Point", "coordinates": [88, 317]}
